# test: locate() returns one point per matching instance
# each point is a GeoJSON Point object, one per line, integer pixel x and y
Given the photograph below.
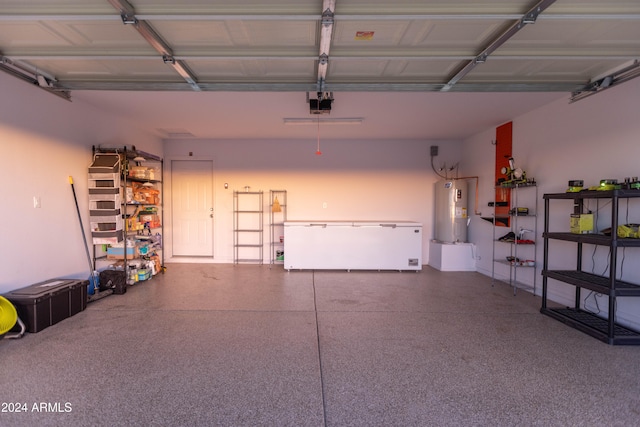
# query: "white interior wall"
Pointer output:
{"type": "Point", "coordinates": [44, 139]}
{"type": "Point", "coordinates": [358, 180]}
{"type": "Point", "coordinates": [593, 139]}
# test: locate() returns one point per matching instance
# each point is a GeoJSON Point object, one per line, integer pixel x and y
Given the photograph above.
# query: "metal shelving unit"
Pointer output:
{"type": "Point", "coordinates": [277, 218]}
{"type": "Point", "coordinates": [248, 239]}
{"type": "Point", "coordinates": [603, 328]}
{"type": "Point", "coordinates": [151, 232]}
{"type": "Point", "coordinates": [519, 246]}
{"type": "Point", "coordinates": [112, 194]}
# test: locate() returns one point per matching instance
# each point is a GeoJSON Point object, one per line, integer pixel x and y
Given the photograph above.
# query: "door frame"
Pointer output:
{"type": "Point", "coordinates": [168, 209]}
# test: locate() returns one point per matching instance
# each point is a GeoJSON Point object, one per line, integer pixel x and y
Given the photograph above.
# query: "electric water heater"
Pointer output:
{"type": "Point", "coordinates": [451, 211]}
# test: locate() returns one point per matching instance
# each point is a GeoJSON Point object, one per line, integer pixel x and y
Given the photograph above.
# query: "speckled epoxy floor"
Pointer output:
{"type": "Point", "coordinates": [217, 344]}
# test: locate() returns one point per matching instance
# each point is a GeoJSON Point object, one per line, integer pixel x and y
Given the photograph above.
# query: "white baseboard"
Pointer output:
{"type": "Point", "coordinates": [196, 260]}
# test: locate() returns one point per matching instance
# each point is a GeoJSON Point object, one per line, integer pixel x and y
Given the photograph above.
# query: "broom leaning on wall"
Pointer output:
{"type": "Point", "coordinates": [93, 275]}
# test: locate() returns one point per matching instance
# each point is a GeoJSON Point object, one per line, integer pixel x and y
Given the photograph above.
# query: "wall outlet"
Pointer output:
{"type": "Point", "coordinates": [36, 202]}
{"type": "Point", "coordinates": [434, 150]}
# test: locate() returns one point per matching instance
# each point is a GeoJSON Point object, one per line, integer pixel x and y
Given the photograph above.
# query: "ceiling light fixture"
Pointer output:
{"type": "Point", "coordinates": [294, 121]}
{"type": "Point", "coordinates": [176, 133]}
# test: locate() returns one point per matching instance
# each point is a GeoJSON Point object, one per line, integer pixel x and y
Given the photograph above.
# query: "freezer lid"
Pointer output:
{"type": "Point", "coordinates": [42, 288]}
{"type": "Point", "coordinates": [318, 223]}
{"type": "Point", "coordinates": [383, 223]}
{"type": "Point", "coordinates": [368, 223]}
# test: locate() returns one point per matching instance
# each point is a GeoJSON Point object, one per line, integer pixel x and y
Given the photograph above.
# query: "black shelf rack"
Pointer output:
{"type": "Point", "coordinates": [605, 329]}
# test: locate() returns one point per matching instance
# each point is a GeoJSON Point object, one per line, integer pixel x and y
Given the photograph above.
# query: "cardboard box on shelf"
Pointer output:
{"type": "Point", "coordinates": [116, 252]}
{"type": "Point", "coordinates": [581, 223]}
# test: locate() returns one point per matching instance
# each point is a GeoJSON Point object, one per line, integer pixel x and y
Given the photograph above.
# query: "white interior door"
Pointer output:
{"type": "Point", "coordinates": [192, 207]}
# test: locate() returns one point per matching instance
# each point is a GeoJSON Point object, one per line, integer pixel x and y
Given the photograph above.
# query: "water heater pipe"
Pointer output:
{"type": "Point", "coordinates": [475, 209]}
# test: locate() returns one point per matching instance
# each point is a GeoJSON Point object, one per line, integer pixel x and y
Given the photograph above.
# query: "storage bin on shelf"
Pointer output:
{"type": "Point", "coordinates": [105, 234]}
{"type": "Point", "coordinates": [104, 190]}
{"type": "Point", "coordinates": [103, 202]}
{"type": "Point", "coordinates": [105, 163]}
{"type": "Point", "coordinates": [105, 218]}
{"type": "Point", "coordinates": [104, 183]}
{"type": "Point", "coordinates": [106, 223]}
{"type": "Point", "coordinates": [105, 208]}
{"type": "Point", "coordinates": [107, 237]}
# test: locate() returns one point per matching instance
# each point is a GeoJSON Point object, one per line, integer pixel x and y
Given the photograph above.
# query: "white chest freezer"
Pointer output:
{"type": "Point", "coordinates": [353, 245]}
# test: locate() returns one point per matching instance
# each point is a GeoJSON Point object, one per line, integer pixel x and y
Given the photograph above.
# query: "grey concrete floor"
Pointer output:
{"type": "Point", "coordinates": [248, 345]}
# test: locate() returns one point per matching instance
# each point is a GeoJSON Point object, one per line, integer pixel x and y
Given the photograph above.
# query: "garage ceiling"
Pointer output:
{"type": "Point", "coordinates": [319, 47]}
